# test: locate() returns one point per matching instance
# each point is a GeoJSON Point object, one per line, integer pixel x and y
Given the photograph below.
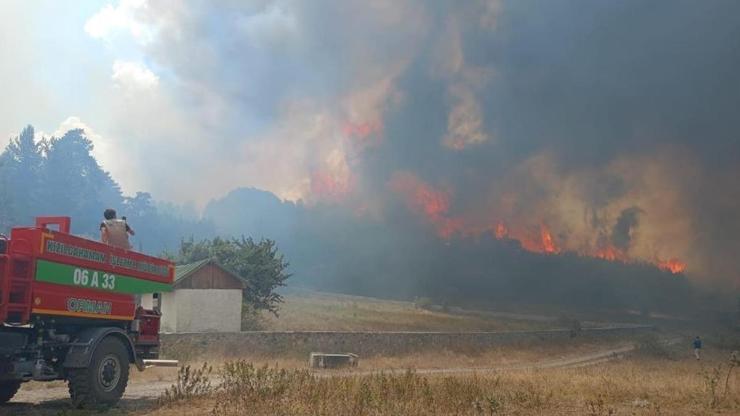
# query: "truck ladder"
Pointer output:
{"type": "Point", "coordinates": [16, 274]}
{"type": "Point", "coordinates": [16, 279]}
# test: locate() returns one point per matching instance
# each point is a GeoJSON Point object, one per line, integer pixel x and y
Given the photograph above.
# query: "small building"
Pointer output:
{"type": "Point", "coordinates": [206, 297]}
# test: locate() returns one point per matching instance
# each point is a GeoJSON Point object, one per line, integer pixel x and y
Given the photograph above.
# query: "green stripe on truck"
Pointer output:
{"type": "Point", "coordinates": [64, 274]}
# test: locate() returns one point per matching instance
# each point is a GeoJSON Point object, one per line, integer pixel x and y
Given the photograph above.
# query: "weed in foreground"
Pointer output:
{"type": "Point", "coordinates": [190, 383]}
{"type": "Point", "coordinates": [721, 373]}
{"type": "Point", "coordinates": [491, 405]}
{"type": "Point", "coordinates": [598, 407]}
{"type": "Point", "coordinates": [247, 389]}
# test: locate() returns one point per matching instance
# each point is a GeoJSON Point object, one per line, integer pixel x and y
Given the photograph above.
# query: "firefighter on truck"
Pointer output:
{"type": "Point", "coordinates": [115, 232]}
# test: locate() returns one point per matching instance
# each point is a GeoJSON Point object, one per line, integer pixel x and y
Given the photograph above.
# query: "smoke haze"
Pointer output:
{"type": "Point", "coordinates": [603, 129]}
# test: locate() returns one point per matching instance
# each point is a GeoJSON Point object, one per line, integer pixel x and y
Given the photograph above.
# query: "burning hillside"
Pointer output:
{"type": "Point", "coordinates": [433, 206]}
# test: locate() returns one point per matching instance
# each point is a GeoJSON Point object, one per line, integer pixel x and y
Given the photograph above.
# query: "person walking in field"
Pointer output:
{"type": "Point", "coordinates": [115, 232]}
{"type": "Point", "coordinates": [697, 347]}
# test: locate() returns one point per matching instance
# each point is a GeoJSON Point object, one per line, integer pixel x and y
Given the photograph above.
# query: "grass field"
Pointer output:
{"type": "Point", "coordinates": [523, 379]}
{"type": "Point", "coordinates": [501, 356]}
{"type": "Point", "coordinates": [316, 311]}
{"type": "Point", "coordinates": [643, 384]}
{"type": "Point", "coordinates": [662, 381]}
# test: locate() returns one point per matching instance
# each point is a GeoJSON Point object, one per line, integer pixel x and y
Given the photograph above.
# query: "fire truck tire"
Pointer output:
{"type": "Point", "coordinates": [8, 389]}
{"type": "Point", "coordinates": [103, 382]}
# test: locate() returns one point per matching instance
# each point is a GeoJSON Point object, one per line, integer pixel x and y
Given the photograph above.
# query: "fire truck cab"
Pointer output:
{"type": "Point", "coordinates": [68, 311]}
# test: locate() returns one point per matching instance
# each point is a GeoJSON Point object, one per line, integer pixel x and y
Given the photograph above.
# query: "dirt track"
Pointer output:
{"type": "Point", "coordinates": [141, 394]}
{"type": "Point", "coordinates": [581, 360]}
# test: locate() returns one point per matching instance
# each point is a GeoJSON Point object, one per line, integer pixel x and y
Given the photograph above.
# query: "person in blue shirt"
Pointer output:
{"type": "Point", "coordinates": [697, 347]}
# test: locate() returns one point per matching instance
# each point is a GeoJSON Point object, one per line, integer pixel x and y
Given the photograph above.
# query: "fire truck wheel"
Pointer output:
{"type": "Point", "coordinates": [8, 389]}
{"type": "Point", "coordinates": [102, 383]}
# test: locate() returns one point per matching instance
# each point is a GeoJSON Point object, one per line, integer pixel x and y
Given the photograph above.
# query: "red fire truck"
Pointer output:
{"type": "Point", "coordinates": [68, 311]}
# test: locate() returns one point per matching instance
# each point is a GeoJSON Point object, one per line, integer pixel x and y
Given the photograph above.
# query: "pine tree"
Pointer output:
{"type": "Point", "coordinates": [76, 183]}
{"type": "Point", "coordinates": [21, 164]}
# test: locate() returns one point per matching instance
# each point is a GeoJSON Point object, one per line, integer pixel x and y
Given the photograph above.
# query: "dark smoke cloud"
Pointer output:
{"type": "Point", "coordinates": [649, 87]}
{"type": "Point", "coordinates": [627, 222]}
{"type": "Point", "coordinates": [570, 113]}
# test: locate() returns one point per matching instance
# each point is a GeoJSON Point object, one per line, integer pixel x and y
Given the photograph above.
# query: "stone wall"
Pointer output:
{"type": "Point", "coordinates": [187, 346]}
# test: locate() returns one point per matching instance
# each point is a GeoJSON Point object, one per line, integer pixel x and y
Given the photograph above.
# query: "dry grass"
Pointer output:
{"type": "Point", "coordinates": [314, 311]}
{"type": "Point", "coordinates": [638, 386]}
{"type": "Point", "coordinates": [504, 355]}
{"type": "Point", "coordinates": [652, 381]}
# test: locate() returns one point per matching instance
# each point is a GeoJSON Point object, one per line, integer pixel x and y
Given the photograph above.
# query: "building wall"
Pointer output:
{"type": "Point", "coordinates": [168, 307]}
{"type": "Point", "coordinates": [202, 310]}
{"type": "Point", "coordinates": [146, 301]}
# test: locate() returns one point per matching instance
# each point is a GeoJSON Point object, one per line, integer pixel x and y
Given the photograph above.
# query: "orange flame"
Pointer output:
{"type": "Point", "coordinates": [548, 244]}
{"type": "Point", "coordinates": [673, 265]}
{"type": "Point", "coordinates": [530, 239]}
{"type": "Point", "coordinates": [545, 243]}
{"type": "Point", "coordinates": [610, 253]}
{"type": "Point", "coordinates": [329, 186]}
{"type": "Point", "coordinates": [501, 231]}
{"type": "Point", "coordinates": [432, 203]}
{"type": "Point", "coordinates": [360, 130]}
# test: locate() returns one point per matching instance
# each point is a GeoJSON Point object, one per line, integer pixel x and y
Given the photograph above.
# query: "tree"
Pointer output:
{"type": "Point", "coordinates": [76, 183]}
{"type": "Point", "coordinates": [60, 176]}
{"type": "Point", "coordinates": [259, 263]}
{"type": "Point", "coordinates": [21, 165]}
{"type": "Point", "coordinates": [140, 205]}
{"type": "Point", "coordinates": [161, 226]}
{"type": "Point", "coordinates": [7, 214]}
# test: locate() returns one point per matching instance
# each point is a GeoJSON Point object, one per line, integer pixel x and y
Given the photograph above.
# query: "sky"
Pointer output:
{"type": "Point", "coordinates": [189, 101]}
{"type": "Point", "coordinates": [182, 101]}
{"type": "Point", "coordinates": [56, 76]}
{"type": "Point", "coordinates": [610, 125]}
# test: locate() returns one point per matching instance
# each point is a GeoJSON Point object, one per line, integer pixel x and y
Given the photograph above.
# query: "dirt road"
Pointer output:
{"type": "Point", "coordinates": [41, 399]}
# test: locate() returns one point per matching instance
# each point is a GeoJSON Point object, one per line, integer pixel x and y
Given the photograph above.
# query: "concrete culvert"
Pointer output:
{"type": "Point", "coordinates": [323, 360]}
